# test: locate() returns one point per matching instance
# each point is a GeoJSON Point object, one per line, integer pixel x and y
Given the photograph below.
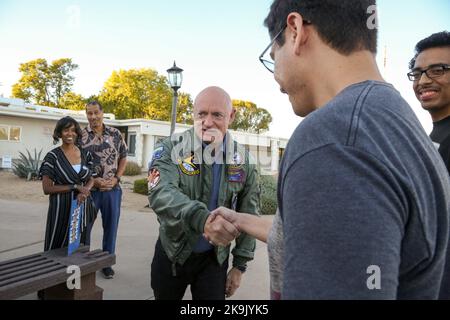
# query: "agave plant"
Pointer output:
{"type": "Point", "coordinates": [28, 167]}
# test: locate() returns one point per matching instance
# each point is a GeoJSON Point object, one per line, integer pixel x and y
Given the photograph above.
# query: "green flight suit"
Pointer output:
{"type": "Point", "coordinates": [180, 189]}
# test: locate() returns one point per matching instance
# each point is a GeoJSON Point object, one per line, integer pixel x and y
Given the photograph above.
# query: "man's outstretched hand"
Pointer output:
{"type": "Point", "coordinates": [219, 231]}
{"type": "Point", "coordinates": [228, 214]}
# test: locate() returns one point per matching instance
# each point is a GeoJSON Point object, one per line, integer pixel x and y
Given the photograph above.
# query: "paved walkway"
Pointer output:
{"type": "Point", "coordinates": [22, 227]}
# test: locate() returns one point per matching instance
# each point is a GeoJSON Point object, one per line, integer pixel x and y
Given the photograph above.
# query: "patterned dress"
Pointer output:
{"type": "Point", "coordinates": [58, 168]}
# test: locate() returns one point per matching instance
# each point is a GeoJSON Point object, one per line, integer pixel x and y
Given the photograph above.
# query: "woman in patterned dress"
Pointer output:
{"type": "Point", "coordinates": [66, 175]}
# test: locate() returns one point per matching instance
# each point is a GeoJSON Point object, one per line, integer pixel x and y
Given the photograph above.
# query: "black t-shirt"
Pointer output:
{"type": "Point", "coordinates": [441, 136]}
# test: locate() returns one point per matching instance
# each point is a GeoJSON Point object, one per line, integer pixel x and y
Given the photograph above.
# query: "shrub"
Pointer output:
{"type": "Point", "coordinates": [268, 195]}
{"type": "Point", "coordinates": [28, 167]}
{"type": "Point", "coordinates": [141, 186]}
{"type": "Point", "coordinates": [132, 169]}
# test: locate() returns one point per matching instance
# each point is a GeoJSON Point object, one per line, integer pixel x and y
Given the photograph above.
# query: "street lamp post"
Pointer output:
{"type": "Point", "coordinates": [175, 80]}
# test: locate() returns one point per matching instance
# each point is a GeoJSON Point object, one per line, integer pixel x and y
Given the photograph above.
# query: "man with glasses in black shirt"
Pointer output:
{"type": "Point", "coordinates": [430, 72]}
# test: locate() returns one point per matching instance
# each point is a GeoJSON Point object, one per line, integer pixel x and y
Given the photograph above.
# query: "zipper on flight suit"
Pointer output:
{"type": "Point", "coordinates": [234, 200]}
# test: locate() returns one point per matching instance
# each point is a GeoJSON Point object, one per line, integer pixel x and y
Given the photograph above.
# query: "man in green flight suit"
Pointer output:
{"type": "Point", "coordinates": [191, 174]}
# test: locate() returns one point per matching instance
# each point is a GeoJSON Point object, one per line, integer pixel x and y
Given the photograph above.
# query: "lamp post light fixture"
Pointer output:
{"type": "Point", "coordinates": [175, 80]}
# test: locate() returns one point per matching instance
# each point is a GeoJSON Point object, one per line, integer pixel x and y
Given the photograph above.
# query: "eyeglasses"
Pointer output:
{"type": "Point", "coordinates": [432, 72]}
{"type": "Point", "coordinates": [268, 62]}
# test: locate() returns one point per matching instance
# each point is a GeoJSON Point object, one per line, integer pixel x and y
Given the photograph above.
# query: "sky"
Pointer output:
{"type": "Point", "coordinates": [216, 42]}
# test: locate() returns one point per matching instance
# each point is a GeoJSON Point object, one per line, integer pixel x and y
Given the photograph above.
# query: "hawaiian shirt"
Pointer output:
{"type": "Point", "coordinates": [107, 150]}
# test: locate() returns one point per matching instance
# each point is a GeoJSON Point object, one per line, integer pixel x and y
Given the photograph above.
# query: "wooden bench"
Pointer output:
{"type": "Point", "coordinates": [48, 271]}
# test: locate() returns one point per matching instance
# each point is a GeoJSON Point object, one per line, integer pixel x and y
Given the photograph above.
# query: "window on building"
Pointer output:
{"type": "Point", "coordinates": [131, 144]}
{"type": "Point", "coordinates": [14, 133]}
{"type": "Point", "coordinates": [4, 133]}
{"type": "Point", "coordinates": [123, 131]}
{"type": "Point", "coordinates": [10, 133]}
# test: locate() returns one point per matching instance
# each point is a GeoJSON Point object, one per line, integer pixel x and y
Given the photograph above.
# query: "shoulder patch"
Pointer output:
{"type": "Point", "coordinates": [153, 178]}
{"type": "Point", "coordinates": [158, 153]}
{"type": "Point", "coordinates": [188, 166]}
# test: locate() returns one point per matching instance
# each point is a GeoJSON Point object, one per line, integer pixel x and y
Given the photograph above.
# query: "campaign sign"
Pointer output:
{"type": "Point", "coordinates": [76, 216]}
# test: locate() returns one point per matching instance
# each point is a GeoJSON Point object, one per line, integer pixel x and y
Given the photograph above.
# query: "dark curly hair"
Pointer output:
{"type": "Point", "coordinates": [65, 123]}
{"type": "Point", "coordinates": [436, 40]}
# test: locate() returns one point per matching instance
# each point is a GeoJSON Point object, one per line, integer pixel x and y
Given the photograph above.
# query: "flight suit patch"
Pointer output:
{"type": "Point", "coordinates": [153, 178]}
{"type": "Point", "coordinates": [158, 153]}
{"type": "Point", "coordinates": [236, 175]}
{"type": "Point", "coordinates": [188, 167]}
{"type": "Point", "coordinates": [238, 161]}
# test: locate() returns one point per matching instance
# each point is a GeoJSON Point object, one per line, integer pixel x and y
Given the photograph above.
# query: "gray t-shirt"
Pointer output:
{"type": "Point", "coordinates": [364, 199]}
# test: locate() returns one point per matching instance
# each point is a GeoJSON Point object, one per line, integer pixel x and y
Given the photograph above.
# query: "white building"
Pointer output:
{"type": "Point", "coordinates": [27, 127]}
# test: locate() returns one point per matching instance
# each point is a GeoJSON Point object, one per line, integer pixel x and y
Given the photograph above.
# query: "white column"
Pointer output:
{"type": "Point", "coordinates": [139, 148]}
{"type": "Point", "coordinates": [274, 145]}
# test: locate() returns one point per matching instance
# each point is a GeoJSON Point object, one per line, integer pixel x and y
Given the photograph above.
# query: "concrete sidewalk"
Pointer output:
{"type": "Point", "coordinates": [22, 228]}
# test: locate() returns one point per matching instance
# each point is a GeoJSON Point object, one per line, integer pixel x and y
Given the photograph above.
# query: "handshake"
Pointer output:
{"type": "Point", "coordinates": [225, 225]}
{"type": "Point", "coordinates": [222, 226]}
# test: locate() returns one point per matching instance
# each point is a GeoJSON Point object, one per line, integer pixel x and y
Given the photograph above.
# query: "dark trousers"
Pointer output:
{"type": "Point", "coordinates": [201, 270]}
{"type": "Point", "coordinates": [108, 203]}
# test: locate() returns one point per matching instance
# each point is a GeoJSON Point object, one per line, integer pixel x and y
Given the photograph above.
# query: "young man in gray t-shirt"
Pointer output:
{"type": "Point", "coordinates": [363, 194]}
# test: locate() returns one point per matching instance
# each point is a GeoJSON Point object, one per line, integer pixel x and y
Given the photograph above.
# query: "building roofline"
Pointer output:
{"type": "Point", "coordinates": [18, 107]}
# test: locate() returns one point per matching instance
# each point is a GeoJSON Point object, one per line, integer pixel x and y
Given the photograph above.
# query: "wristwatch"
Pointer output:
{"type": "Point", "coordinates": [73, 187]}
{"type": "Point", "coordinates": [241, 268]}
{"type": "Point", "coordinates": [118, 179]}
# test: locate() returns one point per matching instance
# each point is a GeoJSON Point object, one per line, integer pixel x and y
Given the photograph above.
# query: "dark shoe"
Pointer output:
{"type": "Point", "coordinates": [108, 273]}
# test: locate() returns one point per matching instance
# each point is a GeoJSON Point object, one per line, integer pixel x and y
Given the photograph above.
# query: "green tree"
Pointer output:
{"type": "Point", "coordinates": [250, 118]}
{"type": "Point", "coordinates": [185, 109]}
{"type": "Point", "coordinates": [72, 101]}
{"type": "Point", "coordinates": [43, 83]}
{"type": "Point", "coordinates": [137, 93]}
{"type": "Point", "coordinates": [143, 93]}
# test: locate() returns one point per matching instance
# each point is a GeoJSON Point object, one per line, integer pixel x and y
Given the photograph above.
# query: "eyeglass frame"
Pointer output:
{"type": "Point", "coordinates": [262, 60]}
{"type": "Point", "coordinates": [441, 65]}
